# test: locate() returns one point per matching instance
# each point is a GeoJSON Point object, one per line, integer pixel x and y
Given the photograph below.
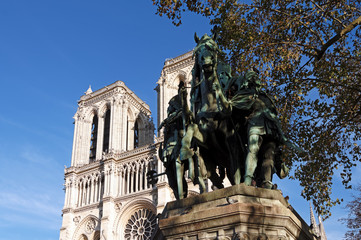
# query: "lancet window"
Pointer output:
{"type": "Point", "coordinates": [94, 138]}
{"type": "Point", "coordinates": [136, 134]}
{"type": "Point", "coordinates": [106, 131]}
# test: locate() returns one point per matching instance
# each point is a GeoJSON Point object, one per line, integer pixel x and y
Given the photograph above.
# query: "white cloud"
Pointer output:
{"type": "Point", "coordinates": [31, 193]}
{"type": "Point", "coordinates": [29, 208]}
{"type": "Point", "coordinates": [32, 154]}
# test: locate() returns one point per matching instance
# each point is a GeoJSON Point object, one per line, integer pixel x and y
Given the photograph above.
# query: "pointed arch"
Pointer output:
{"type": "Point", "coordinates": [143, 130]}
{"type": "Point", "coordinates": [127, 212]}
{"type": "Point", "coordinates": [87, 228]}
{"type": "Point", "coordinates": [181, 76]}
{"type": "Point", "coordinates": [90, 113]}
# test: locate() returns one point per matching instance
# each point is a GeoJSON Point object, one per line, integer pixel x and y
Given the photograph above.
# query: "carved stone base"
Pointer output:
{"type": "Point", "coordinates": [237, 212]}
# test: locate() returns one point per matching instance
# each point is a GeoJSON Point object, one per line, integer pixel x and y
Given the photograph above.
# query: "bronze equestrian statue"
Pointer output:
{"type": "Point", "coordinates": [231, 127]}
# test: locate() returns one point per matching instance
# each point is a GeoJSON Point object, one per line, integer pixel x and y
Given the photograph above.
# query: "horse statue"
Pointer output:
{"type": "Point", "coordinates": [231, 127]}
{"type": "Point", "coordinates": [210, 136]}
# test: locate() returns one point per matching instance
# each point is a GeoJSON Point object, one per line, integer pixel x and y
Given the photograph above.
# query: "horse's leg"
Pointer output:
{"type": "Point", "coordinates": [179, 176]}
{"type": "Point", "coordinates": [201, 172]}
{"type": "Point", "coordinates": [171, 172]}
{"type": "Point", "coordinates": [186, 152]}
{"type": "Point", "coordinates": [254, 143]}
{"type": "Point", "coordinates": [230, 143]}
{"type": "Point", "coordinates": [268, 164]}
{"type": "Point", "coordinates": [234, 161]}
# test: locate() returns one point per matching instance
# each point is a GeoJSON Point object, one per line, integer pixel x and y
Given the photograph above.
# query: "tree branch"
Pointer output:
{"type": "Point", "coordinates": [323, 10]}
{"type": "Point", "coordinates": [337, 37]}
{"type": "Point", "coordinates": [332, 84]}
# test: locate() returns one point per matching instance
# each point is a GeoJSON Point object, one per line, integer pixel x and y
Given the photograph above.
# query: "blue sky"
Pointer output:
{"type": "Point", "coordinates": [50, 52]}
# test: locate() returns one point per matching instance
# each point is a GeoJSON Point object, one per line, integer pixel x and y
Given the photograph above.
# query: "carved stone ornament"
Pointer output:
{"type": "Point", "coordinates": [76, 220]}
{"type": "Point", "coordinates": [90, 226]}
{"type": "Point", "coordinates": [117, 207]}
{"type": "Point", "coordinates": [243, 236]}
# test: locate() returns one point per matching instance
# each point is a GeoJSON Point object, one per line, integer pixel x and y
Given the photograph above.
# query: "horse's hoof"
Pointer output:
{"type": "Point", "coordinates": [248, 181]}
{"type": "Point", "coordinates": [268, 185]}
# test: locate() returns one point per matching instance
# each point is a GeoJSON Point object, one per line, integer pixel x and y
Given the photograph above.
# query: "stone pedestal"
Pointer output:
{"type": "Point", "coordinates": [237, 212]}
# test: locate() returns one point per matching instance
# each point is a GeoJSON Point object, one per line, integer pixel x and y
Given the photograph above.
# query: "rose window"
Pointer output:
{"type": "Point", "coordinates": [141, 225]}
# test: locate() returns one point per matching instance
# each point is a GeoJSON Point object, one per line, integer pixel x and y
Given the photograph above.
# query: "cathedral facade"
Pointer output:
{"type": "Point", "coordinates": [107, 193]}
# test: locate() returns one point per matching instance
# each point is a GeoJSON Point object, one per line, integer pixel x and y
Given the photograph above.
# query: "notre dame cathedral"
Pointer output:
{"type": "Point", "coordinates": [107, 193]}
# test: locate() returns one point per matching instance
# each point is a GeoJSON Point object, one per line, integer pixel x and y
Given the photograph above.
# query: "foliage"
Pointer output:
{"type": "Point", "coordinates": [308, 54]}
{"type": "Point", "coordinates": [353, 221]}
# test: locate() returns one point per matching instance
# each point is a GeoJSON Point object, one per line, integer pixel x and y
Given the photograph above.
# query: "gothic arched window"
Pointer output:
{"type": "Point", "coordinates": [106, 131]}
{"type": "Point", "coordinates": [93, 140]}
{"type": "Point", "coordinates": [136, 135]}
{"type": "Point", "coordinates": [141, 225]}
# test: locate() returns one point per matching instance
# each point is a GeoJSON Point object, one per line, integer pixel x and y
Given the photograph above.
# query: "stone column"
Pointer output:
{"type": "Point", "coordinates": [66, 194]}
{"type": "Point", "coordinates": [70, 193]}
{"type": "Point", "coordinates": [121, 182]}
{"type": "Point", "coordinates": [111, 176]}
{"type": "Point", "coordinates": [78, 194]}
{"type": "Point", "coordinates": [130, 134]}
{"type": "Point", "coordinates": [81, 190]}
{"type": "Point", "coordinates": [79, 142]}
{"type": "Point", "coordinates": [146, 170]}
{"type": "Point", "coordinates": [84, 194]}
{"type": "Point", "coordinates": [141, 175]}
{"type": "Point", "coordinates": [91, 191]}
{"type": "Point", "coordinates": [117, 183]}
{"type": "Point", "coordinates": [106, 183]}
{"type": "Point", "coordinates": [74, 193]}
{"type": "Point", "coordinates": [95, 197]}
{"type": "Point", "coordinates": [124, 122]}
{"type": "Point", "coordinates": [85, 142]}
{"type": "Point", "coordinates": [137, 178]}
{"type": "Point", "coordinates": [100, 140]}
{"type": "Point", "coordinates": [160, 169]}
{"type": "Point", "coordinates": [88, 191]}
{"type": "Point", "coordinates": [111, 127]}
{"type": "Point", "coordinates": [125, 181]}
{"type": "Point", "coordinates": [74, 153]}
{"type": "Point", "coordinates": [131, 180]}
{"type": "Point", "coordinates": [116, 123]}
{"type": "Point", "coordinates": [128, 178]}
{"type": "Point", "coordinates": [161, 104]}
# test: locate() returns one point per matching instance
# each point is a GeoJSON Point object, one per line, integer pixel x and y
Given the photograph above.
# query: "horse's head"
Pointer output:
{"type": "Point", "coordinates": [206, 52]}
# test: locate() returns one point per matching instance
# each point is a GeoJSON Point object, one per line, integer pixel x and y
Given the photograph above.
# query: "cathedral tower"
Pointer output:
{"type": "Point", "coordinates": [175, 70]}
{"type": "Point", "coordinates": [107, 193]}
